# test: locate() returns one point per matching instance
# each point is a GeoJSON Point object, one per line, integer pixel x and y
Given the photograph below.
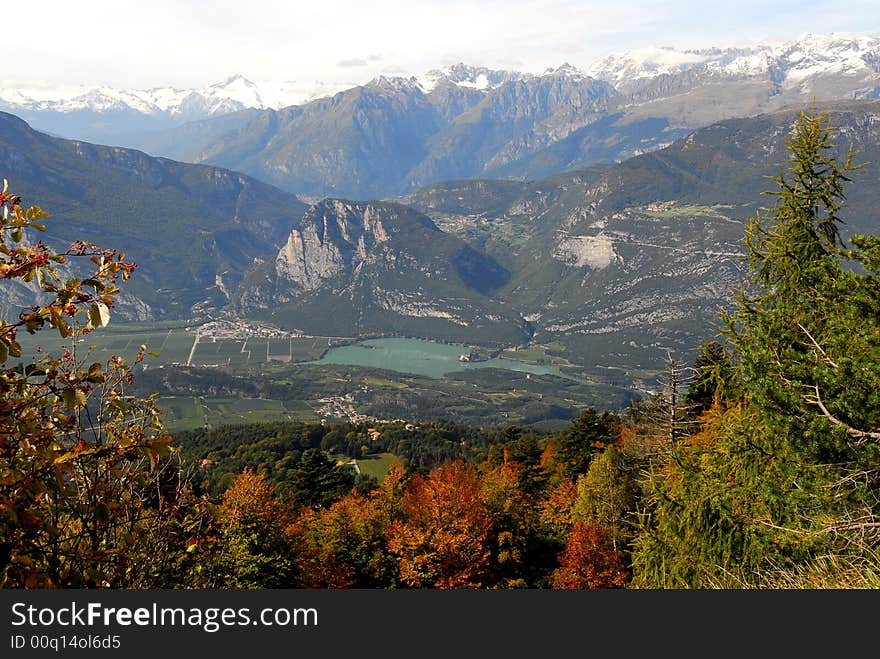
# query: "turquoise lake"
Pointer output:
{"type": "Point", "coordinates": [419, 357]}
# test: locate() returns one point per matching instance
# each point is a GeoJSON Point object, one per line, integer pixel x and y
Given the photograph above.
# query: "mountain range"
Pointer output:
{"type": "Point", "coordinates": [609, 266]}
{"type": "Point", "coordinates": [619, 264]}
{"type": "Point", "coordinates": [392, 136]}
{"type": "Point", "coordinates": [110, 115]}
{"type": "Point", "coordinates": [395, 135]}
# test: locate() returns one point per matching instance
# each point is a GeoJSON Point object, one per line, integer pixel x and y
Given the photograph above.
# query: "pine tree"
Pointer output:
{"type": "Point", "coordinates": [786, 468]}
{"type": "Point", "coordinates": [711, 380]}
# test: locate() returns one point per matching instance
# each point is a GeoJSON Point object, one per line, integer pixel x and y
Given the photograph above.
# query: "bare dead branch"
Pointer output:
{"type": "Point", "coordinates": [816, 345]}
{"type": "Point", "coordinates": [862, 435]}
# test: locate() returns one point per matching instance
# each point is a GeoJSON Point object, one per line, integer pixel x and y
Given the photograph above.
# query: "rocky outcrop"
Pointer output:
{"type": "Point", "coordinates": [334, 237]}
{"type": "Point", "coordinates": [375, 267]}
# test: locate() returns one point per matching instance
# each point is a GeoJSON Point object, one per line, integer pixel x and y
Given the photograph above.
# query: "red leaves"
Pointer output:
{"type": "Point", "coordinates": [9, 200]}
{"type": "Point", "coordinates": [77, 496]}
{"type": "Point", "coordinates": [589, 561]}
{"type": "Point", "coordinates": [444, 539]}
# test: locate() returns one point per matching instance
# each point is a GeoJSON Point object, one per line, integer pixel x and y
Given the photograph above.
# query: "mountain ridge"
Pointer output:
{"type": "Point", "coordinates": [126, 199]}
{"type": "Point", "coordinates": [391, 136]}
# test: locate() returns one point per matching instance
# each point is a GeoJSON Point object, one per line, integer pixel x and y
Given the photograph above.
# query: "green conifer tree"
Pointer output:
{"type": "Point", "coordinates": [785, 470]}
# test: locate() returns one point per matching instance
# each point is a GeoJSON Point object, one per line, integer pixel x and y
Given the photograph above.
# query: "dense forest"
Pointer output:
{"type": "Point", "coordinates": [754, 467]}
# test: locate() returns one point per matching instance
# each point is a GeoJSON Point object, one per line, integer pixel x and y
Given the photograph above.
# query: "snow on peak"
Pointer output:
{"type": "Point", "coordinates": [236, 88]}
{"type": "Point", "coordinates": [396, 83]}
{"type": "Point", "coordinates": [648, 62]}
{"type": "Point", "coordinates": [281, 94]}
{"type": "Point", "coordinates": [827, 53]}
{"type": "Point", "coordinates": [464, 75]}
{"type": "Point", "coordinates": [236, 80]}
{"type": "Point", "coordinates": [792, 61]}
{"type": "Point", "coordinates": [104, 99]}
{"type": "Point", "coordinates": [235, 93]}
{"type": "Point", "coordinates": [566, 70]}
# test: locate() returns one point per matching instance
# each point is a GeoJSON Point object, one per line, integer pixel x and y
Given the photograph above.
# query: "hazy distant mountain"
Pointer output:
{"type": "Point", "coordinates": [394, 135]}
{"type": "Point", "coordinates": [193, 230]}
{"type": "Point", "coordinates": [110, 115]}
{"type": "Point", "coordinates": [470, 77]}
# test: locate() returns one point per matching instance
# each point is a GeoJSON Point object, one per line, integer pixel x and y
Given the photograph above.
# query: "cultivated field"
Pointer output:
{"type": "Point", "coordinates": [174, 343]}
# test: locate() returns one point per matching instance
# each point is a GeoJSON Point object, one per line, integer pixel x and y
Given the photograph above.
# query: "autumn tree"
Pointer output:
{"type": "Point", "coordinates": [254, 549]}
{"type": "Point", "coordinates": [444, 537]}
{"type": "Point", "coordinates": [607, 496]}
{"type": "Point", "coordinates": [90, 492]}
{"type": "Point", "coordinates": [589, 561]}
{"type": "Point", "coordinates": [555, 507]}
{"type": "Point", "coordinates": [346, 544]}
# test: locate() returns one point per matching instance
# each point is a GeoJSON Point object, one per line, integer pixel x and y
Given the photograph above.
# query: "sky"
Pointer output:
{"type": "Point", "coordinates": [186, 43]}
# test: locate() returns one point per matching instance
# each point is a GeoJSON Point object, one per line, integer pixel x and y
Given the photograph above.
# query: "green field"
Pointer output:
{"type": "Point", "coordinates": [538, 354]}
{"type": "Point", "coordinates": [686, 210]}
{"type": "Point", "coordinates": [185, 412]}
{"type": "Point", "coordinates": [233, 381]}
{"type": "Point", "coordinates": [173, 344]}
{"type": "Point", "coordinates": [376, 465]}
{"type": "Point", "coordinates": [182, 412]}
{"type": "Point", "coordinates": [308, 348]}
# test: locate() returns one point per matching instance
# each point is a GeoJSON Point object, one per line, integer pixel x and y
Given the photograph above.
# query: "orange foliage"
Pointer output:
{"type": "Point", "coordinates": [317, 562]}
{"type": "Point", "coordinates": [250, 500]}
{"type": "Point", "coordinates": [344, 546]}
{"type": "Point", "coordinates": [556, 508]}
{"type": "Point", "coordinates": [443, 540]}
{"type": "Point", "coordinates": [513, 515]}
{"type": "Point", "coordinates": [589, 561]}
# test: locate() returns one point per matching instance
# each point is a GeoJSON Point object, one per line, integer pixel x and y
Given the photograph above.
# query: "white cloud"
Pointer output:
{"type": "Point", "coordinates": [133, 43]}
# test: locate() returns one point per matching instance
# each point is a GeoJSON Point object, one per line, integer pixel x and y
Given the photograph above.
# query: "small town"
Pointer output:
{"type": "Point", "coordinates": [220, 330]}
{"type": "Point", "coordinates": [342, 407]}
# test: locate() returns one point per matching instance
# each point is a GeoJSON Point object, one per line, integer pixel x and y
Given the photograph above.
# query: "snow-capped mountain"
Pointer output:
{"type": "Point", "coordinates": [789, 64]}
{"type": "Point", "coordinates": [234, 93]}
{"type": "Point", "coordinates": [108, 115]}
{"type": "Point", "coordinates": [473, 77]}
{"type": "Point", "coordinates": [393, 134]}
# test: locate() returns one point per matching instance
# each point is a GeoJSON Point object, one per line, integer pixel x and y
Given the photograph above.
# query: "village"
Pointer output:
{"type": "Point", "coordinates": [342, 407]}
{"type": "Point", "coordinates": [220, 330]}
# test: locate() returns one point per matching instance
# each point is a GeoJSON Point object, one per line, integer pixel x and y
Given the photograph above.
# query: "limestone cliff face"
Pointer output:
{"type": "Point", "coordinates": [353, 268]}
{"type": "Point", "coordinates": [334, 237]}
